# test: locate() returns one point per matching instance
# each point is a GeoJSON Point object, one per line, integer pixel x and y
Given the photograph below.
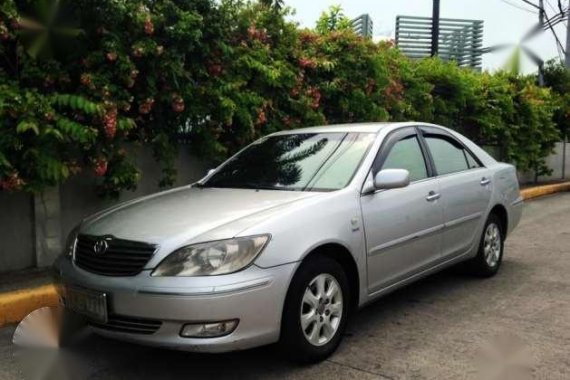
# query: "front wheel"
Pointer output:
{"type": "Point", "coordinates": [316, 310]}
{"type": "Point", "coordinates": [491, 247]}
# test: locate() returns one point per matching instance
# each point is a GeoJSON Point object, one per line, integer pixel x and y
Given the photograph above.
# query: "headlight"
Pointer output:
{"type": "Point", "coordinates": [69, 247]}
{"type": "Point", "coordinates": [212, 258]}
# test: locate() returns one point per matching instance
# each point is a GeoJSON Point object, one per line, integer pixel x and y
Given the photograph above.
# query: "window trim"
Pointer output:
{"type": "Point", "coordinates": [419, 131]}
{"type": "Point", "coordinates": [425, 131]}
{"type": "Point", "coordinates": [392, 139]}
{"type": "Point", "coordinates": [410, 152]}
{"type": "Point", "coordinates": [387, 142]}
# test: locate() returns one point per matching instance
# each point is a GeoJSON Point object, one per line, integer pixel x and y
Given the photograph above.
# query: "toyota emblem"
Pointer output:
{"type": "Point", "coordinates": [100, 247]}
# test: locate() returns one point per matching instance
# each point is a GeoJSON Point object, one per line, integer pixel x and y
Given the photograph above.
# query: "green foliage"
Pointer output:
{"type": "Point", "coordinates": [80, 78]}
{"type": "Point", "coordinates": [557, 77]}
{"type": "Point", "coordinates": [221, 74]}
{"type": "Point", "coordinates": [333, 20]}
{"type": "Point", "coordinates": [121, 176]}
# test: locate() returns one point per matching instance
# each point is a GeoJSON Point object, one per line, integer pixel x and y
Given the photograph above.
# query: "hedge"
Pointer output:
{"type": "Point", "coordinates": [218, 75]}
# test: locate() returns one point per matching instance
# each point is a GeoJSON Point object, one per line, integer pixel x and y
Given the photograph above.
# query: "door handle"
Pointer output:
{"type": "Point", "coordinates": [485, 181]}
{"type": "Point", "coordinates": [432, 196]}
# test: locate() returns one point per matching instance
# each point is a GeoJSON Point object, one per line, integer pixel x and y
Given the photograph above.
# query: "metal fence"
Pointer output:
{"type": "Point", "coordinates": [459, 40]}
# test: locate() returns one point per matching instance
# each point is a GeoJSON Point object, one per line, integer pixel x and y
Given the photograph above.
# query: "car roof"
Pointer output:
{"type": "Point", "coordinates": [353, 127]}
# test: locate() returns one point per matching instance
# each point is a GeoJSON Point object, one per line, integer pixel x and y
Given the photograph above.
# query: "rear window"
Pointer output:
{"type": "Point", "coordinates": [448, 155]}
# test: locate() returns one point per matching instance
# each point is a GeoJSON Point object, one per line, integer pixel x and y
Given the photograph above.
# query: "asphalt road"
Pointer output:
{"type": "Point", "coordinates": [435, 329]}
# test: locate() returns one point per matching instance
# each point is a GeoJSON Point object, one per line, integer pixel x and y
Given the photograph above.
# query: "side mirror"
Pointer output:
{"type": "Point", "coordinates": [391, 179]}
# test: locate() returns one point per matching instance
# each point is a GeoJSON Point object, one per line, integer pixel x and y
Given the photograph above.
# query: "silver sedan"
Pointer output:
{"type": "Point", "coordinates": [286, 239]}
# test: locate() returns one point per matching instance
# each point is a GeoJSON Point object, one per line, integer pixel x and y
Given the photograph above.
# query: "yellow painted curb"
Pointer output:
{"type": "Point", "coordinates": [14, 306]}
{"type": "Point", "coordinates": [539, 191]}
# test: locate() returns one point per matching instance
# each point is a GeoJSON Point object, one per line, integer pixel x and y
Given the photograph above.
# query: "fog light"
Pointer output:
{"type": "Point", "coordinates": [208, 330]}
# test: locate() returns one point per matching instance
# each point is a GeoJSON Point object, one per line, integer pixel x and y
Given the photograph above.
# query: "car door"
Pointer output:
{"type": "Point", "coordinates": [402, 226]}
{"type": "Point", "coordinates": [465, 187]}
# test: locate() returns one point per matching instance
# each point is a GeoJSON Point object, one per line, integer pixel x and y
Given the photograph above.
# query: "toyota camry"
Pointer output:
{"type": "Point", "coordinates": [289, 237]}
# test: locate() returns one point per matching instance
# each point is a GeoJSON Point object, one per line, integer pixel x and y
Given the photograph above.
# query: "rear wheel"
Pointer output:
{"type": "Point", "coordinates": [316, 310]}
{"type": "Point", "coordinates": [491, 247]}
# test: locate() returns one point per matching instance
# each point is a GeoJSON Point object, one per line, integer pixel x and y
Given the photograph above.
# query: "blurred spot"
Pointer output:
{"type": "Point", "coordinates": [505, 357]}
{"type": "Point", "coordinates": [42, 345]}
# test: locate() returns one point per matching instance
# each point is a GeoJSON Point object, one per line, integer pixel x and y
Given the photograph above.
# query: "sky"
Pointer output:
{"type": "Point", "coordinates": [503, 23]}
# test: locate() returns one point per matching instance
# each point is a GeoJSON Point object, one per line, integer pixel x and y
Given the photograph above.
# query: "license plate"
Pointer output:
{"type": "Point", "coordinates": [88, 303]}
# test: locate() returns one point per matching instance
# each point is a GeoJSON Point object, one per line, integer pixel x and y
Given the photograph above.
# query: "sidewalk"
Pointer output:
{"type": "Point", "coordinates": [24, 291]}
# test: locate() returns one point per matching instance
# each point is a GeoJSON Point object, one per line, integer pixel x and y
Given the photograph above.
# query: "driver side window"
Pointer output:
{"type": "Point", "coordinates": [407, 154]}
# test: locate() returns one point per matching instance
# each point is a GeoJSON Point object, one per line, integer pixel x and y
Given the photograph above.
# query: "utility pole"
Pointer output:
{"type": "Point", "coordinates": [566, 127]}
{"type": "Point", "coordinates": [435, 29]}
{"type": "Point", "coordinates": [567, 57]}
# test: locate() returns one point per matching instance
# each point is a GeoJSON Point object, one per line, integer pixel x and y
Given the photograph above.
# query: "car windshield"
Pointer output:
{"type": "Point", "coordinates": [303, 161]}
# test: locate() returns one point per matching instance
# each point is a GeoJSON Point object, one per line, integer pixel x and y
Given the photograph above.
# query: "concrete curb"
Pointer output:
{"type": "Point", "coordinates": [539, 191]}
{"type": "Point", "coordinates": [15, 305]}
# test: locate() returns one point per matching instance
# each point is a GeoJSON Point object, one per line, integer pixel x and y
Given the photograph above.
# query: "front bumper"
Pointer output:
{"type": "Point", "coordinates": [255, 296]}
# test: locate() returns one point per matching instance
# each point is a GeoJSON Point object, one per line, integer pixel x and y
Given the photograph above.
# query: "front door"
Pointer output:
{"type": "Point", "coordinates": [402, 226]}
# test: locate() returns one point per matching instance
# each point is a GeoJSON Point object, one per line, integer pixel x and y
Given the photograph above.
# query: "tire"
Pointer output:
{"type": "Point", "coordinates": [323, 321]}
{"type": "Point", "coordinates": [491, 247]}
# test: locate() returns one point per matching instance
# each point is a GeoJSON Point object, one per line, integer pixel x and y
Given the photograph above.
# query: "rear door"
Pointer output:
{"type": "Point", "coordinates": [465, 187]}
{"type": "Point", "coordinates": [402, 226]}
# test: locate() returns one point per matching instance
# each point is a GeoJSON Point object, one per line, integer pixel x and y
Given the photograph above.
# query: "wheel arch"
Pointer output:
{"type": "Point", "coordinates": [501, 212]}
{"type": "Point", "coordinates": [344, 257]}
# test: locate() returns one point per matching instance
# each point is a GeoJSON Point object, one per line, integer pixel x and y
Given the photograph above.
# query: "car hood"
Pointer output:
{"type": "Point", "coordinates": [183, 214]}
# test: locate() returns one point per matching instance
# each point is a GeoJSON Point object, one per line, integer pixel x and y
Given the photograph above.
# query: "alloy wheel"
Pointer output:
{"type": "Point", "coordinates": [492, 245]}
{"type": "Point", "coordinates": [321, 309]}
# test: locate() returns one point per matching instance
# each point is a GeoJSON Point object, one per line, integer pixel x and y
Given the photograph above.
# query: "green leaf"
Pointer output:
{"type": "Point", "coordinates": [81, 104]}
{"type": "Point", "coordinates": [25, 126]}
{"type": "Point", "coordinates": [4, 161]}
{"type": "Point", "coordinates": [52, 131]}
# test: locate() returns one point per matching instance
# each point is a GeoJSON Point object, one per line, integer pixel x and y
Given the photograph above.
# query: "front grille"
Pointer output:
{"type": "Point", "coordinates": [129, 325]}
{"type": "Point", "coordinates": [122, 257]}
